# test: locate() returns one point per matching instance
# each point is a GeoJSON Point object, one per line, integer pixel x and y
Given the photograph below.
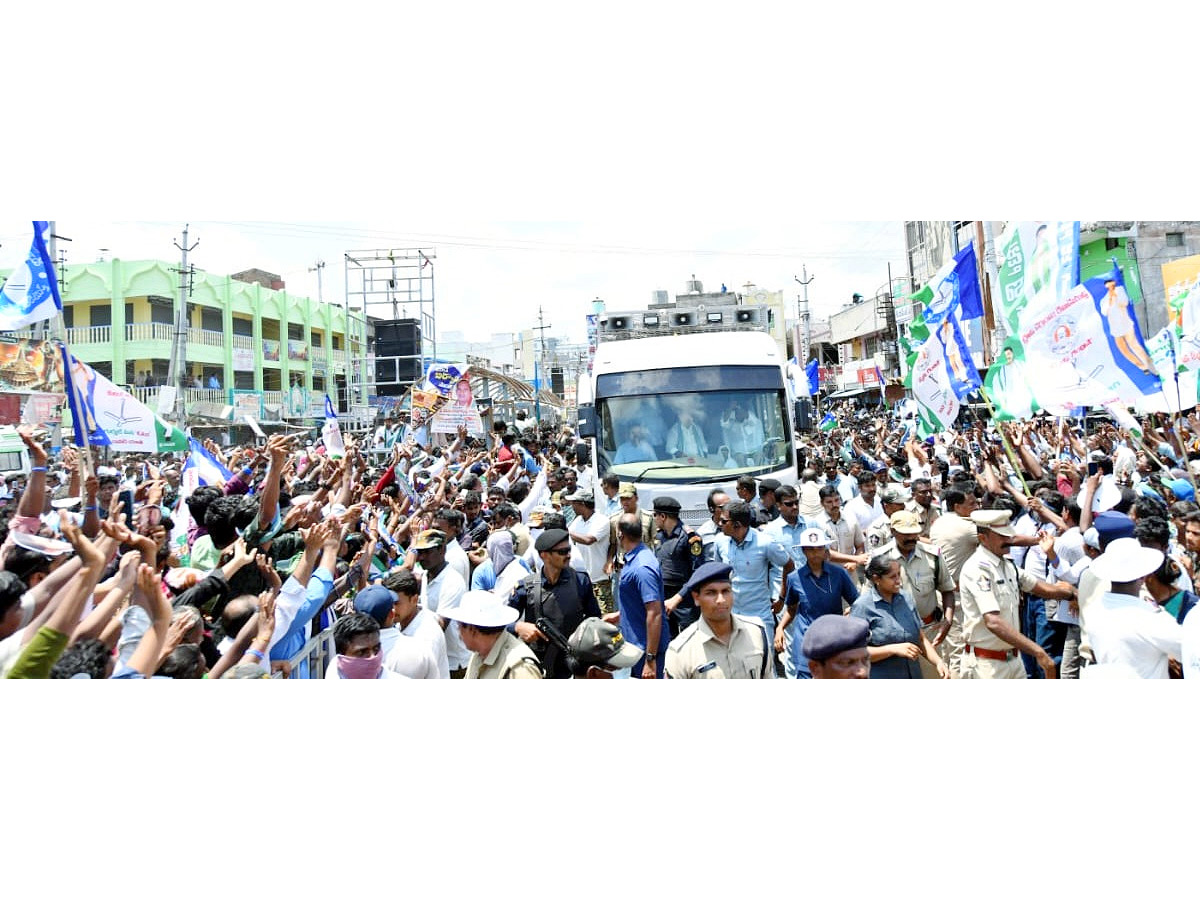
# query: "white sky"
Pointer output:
{"type": "Point", "coordinates": [492, 277]}
{"type": "Point", "coordinates": [553, 155]}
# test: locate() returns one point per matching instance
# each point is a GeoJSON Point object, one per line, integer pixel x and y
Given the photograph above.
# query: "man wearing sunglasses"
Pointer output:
{"type": "Point", "coordinates": [560, 594]}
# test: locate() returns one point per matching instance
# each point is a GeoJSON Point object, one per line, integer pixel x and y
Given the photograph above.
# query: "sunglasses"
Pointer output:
{"type": "Point", "coordinates": [560, 551]}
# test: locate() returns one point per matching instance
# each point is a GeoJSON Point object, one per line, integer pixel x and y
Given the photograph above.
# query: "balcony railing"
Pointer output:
{"type": "Point", "coordinates": [273, 398]}
{"type": "Point", "coordinates": [97, 334]}
{"type": "Point", "coordinates": [149, 331]}
{"type": "Point", "coordinates": [149, 396]}
{"type": "Point", "coordinates": [242, 342]}
{"type": "Point", "coordinates": [206, 338]}
{"type": "Point", "coordinates": [318, 354]}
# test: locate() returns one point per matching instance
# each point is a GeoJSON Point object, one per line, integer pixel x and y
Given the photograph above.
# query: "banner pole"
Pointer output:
{"type": "Point", "coordinates": [1012, 458]}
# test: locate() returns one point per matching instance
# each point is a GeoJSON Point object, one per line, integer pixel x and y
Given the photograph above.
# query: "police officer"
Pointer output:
{"type": "Point", "coordinates": [990, 595]}
{"type": "Point", "coordinates": [721, 644]}
{"type": "Point", "coordinates": [680, 552]}
{"type": "Point", "coordinates": [878, 535]}
{"type": "Point", "coordinates": [836, 647]}
{"type": "Point", "coordinates": [923, 576]}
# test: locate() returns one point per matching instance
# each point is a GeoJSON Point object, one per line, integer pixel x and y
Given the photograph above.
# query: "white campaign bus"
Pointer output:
{"type": "Point", "coordinates": [684, 413]}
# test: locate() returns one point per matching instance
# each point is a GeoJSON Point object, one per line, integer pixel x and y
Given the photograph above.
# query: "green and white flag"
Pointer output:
{"type": "Point", "coordinates": [937, 403]}
{"type": "Point", "coordinates": [1007, 384]}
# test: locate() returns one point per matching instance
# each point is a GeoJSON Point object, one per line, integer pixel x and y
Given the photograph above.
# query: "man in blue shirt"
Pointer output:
{"type": "Point", "coordinates": [751, 554]}
{"type": "Point", "coordinates": [817, 588]}
{"type": "Point", "coordinates": [640, 599]}
{"type": "Point", "coordinates": [786, 531]}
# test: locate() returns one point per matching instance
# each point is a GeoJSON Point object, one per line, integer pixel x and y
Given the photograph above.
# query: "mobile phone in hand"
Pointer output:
{"type": "Point", "coordinates": [127, 505]}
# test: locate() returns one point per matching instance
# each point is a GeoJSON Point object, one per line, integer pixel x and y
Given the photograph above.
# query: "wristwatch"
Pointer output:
{"type": "Point", "coordinates": [652, 656]}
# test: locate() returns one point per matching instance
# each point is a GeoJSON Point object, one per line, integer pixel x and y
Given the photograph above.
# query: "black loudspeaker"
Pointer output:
{"type": "Point", "coordinates": [556, 381]}
{"type": "Point", "coordinates": [393, 376]}
{"type": "Point", "coordinates": [398, 337]}
{"type": "Point", "coordinates": [804, 421]}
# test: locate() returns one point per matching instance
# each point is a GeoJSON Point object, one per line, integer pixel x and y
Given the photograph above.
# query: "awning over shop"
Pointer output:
{"type": "Point", "coordinates": [851, 392]}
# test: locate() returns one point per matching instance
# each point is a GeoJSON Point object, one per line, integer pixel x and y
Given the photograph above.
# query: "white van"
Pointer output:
{"type": "Point", "coordinates": [14, 455]}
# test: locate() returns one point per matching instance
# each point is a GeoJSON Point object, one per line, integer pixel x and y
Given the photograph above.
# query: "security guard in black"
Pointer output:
{"type": "Point", "coordinates": [561, 594]}
{"type": "Point", "coordinates": [680, 552]}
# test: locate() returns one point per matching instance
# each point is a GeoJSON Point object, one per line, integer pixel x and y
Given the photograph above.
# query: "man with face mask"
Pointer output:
{"type": "Point", "coordinates": [359, 649]}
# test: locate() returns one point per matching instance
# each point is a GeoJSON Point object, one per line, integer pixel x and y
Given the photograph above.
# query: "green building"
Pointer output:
{"type": "Point", "coordinates": [249, 343]}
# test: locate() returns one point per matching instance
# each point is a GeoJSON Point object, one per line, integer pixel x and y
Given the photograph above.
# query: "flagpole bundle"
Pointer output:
{"type": "Point", "coordinates": [1012, 458]}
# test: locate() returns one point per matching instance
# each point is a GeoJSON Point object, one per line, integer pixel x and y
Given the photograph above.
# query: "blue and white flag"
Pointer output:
{"type": "Point", "coordinates": [331, 432]}
{"type": "Point", "coordinates": [812, 372]}
{"type": "Point", "coordinates": [828, 423]}
{"type": "Point", "coordinates": [31, 292]}
{"type": "Point", "coordinates": [953, 291]}
{"type": "Point", "coordinates": [201, 468]}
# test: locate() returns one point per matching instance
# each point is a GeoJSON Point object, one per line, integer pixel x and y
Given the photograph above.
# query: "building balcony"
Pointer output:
{"type": "Point", "coordinates": [149, 396]}
{"type": "Point", "coordinates": [97, 334]}
{"type": "Point", "coordinates": [149, 331]}
{"type": "Point", "coordinates": [242, 342]}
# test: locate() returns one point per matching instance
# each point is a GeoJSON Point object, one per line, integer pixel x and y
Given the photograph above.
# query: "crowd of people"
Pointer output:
{"type": "Point", "coordinates": [1048, 548]}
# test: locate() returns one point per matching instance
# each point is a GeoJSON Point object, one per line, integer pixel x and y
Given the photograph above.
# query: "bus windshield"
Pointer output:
{"type": "Point", "coordinates": [691, 436]}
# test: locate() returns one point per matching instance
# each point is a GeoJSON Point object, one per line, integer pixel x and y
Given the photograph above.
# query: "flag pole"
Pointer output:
{"type": "Point", "coordinates": [1012, 458]}
{"type": "Point", "coordinates": [1175, 433]}
{"type": "Point", "coordinates": [68, 376]}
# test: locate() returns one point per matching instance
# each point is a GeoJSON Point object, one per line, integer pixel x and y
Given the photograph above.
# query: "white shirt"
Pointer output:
{"type": "Point", "coordinates": [1191, 644]}
{"type": "Point", "coordinates": [590, 558]}
{"type": "Point", "coordinates": [424, 626]}
{"type": "Point", "coordinates": [444, 593]}
{"type": "Point", "coordinates": [456, 558]}
{"type": "Point", "coordinates": [858, 511]}
{"type": "Point", "coordinates": [411, 657]}
{"type": "Point", "coordinates": [1128, 631]}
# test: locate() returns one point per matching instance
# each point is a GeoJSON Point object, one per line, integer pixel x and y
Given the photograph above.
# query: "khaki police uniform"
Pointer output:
{"type": "Point", "coordinates": [508, 658]}
{"type": "Point", "coordinates": [926, 516]}
{"type": "Point", "coordinates": [877, 537]}
{"type": "Point", "coordinates": [956, 539]}
{"type": "Point", "coordinates": [991, 584]}
{"type": "Point", "coordinates": [697, 653]}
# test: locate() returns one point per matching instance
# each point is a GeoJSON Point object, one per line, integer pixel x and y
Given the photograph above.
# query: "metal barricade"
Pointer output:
{"type": "Point", "coordinates": [315, 657]}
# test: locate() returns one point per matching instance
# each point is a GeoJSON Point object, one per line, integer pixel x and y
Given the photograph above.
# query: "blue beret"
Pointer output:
{"type": "Point", "coordinates": [831, 634]}
{"type": "Point", "coordinates": [710, 571]}
{"type": "Point", "coordinates": [1112, 525]}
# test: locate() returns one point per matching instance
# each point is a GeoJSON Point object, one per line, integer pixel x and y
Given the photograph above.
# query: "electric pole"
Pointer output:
{"type": "Point", "coordinates": [802, 313]}
{"type": "Point", "coordinates": [179, 347]}
{"type": "Point", "coordinates": [318, 267]}
{"type": "Point", "coordinates": [537, 378]}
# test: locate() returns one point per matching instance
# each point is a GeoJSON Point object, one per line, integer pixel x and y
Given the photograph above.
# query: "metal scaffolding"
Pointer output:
{"type": "Point", "coordinates": [391, 284]}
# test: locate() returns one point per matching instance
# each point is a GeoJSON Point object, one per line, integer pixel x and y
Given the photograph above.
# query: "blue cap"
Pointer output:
{"type": "Point", "coordinates": [1181, 489]}
{"type": "Point", "coordinates": [710, 571]}
{"type": "Point", "coordinates": [376, 601]}
{"type": "Point", "coordinates": [1112, 525]}
{"type": "Point", "coordinates": [832, 634]}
